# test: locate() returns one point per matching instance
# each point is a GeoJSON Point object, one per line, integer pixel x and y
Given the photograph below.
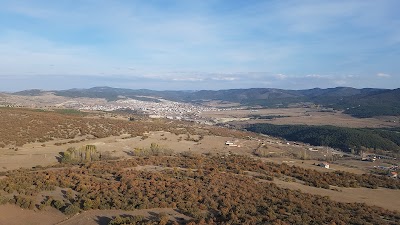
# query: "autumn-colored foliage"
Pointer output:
{"type": "Point", "coordinates": [21, 126]}
{"type": "Point", "coordinates": [210, 189]}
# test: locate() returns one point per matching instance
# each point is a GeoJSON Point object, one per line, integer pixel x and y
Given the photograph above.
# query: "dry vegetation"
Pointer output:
{"type": "Point", "coordinates": [210, 189]}
{"type": "Point", "coordinates": [302, 116]}
{"type": "Point", "coordinates": [206, 189]}
{"type": "Point", "coordinates": [22, 126]}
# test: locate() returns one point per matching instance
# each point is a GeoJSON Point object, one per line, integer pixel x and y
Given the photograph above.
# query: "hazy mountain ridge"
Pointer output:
{"type": "Point", "coordinates": [30, 92]}
{"type": "Point", "coordinates": [366, 102]}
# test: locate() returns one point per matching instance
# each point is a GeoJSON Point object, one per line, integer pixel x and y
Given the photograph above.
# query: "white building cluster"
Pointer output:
{"type": "Point", "coordinates": [159, 108]}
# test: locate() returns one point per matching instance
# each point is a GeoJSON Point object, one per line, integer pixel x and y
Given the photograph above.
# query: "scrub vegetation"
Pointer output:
{"type": "Point", "coordinates": [213, 189]}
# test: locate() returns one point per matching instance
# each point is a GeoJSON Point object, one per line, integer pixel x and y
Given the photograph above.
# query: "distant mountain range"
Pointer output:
{"type": "Point", "coordinates": [366, 102]}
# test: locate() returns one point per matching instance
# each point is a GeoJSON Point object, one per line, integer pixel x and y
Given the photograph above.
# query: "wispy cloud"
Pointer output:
{"type": "Point", "coordinates": [384, 75]}
{"type": "Point", "coordinates": [299, 43]}
{"type": "Point", "coordinates": [318, 76]}
{"type": "Point", "coordinates": [281, 76]}
{"type": "Point", "coordinates": [225, 78]}
{"type": "Point", "coordinates": [187, 79]}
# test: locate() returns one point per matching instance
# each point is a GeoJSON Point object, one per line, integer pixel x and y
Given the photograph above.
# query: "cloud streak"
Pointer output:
{"type": "Point", "coordinates": [383, 75]}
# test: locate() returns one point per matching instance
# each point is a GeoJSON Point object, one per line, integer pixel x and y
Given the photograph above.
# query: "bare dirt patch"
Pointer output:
{"type": "Point", "coordinates": [382, 197]}
{"type": "Point", "coordinates": [13, 215]}
{"type": "Point", "coordinates": [311, 164]}
{"type": "Point", "coordinates": [35, 154]}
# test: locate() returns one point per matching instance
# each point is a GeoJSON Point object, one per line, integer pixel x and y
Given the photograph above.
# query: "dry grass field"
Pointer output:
{"type": "Point", "coordinates": [302, 116]}
{"type": "Point", "coordinates": [382, 197]}
{"type": "Point", "coordinates": [29, 137]}
{"type": "Point", "coordinates": [22, 126]}
{"type": "Point", "coordinates": [34, 154]}
{"type": "Point", "coordinates": [43, 135]}
{"type": "Point", "coordinates": [311, 164]}
{"type": "Point", "coordinates": [14, 215]}
{"type": "Point", "coordinates": [46, 100]}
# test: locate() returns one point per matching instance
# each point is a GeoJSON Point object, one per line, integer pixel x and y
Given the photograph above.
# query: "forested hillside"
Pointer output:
{"type": "Point", "coordinates": [383, 104]}
{"type": "Point", "coordinates": [336, 137]}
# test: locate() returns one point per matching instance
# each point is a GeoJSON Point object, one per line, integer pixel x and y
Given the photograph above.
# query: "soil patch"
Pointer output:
{"type": "Point", "coordinates": [14, 215]}
{"type": "Point", "coordinates": [382, 197]}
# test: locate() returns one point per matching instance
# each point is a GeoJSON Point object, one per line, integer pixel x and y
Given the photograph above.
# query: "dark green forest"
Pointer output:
{"type": "Point", "coordinates": [335, 137]}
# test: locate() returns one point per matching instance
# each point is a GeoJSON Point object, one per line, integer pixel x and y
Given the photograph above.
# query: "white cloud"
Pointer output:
{"type": "Point", "coordinates": [187, 79]}
{"type": "Point", "coordinates": [384, 75]}
{"type": "Point", "coordinates": [281, 76]}
{"type": "Point", "coordinates": [318, 76]}
{"type": "Point", "coordinates": [225, 78]}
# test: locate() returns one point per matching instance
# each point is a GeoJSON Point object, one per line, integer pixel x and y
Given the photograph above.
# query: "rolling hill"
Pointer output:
{"type": "Point", "coordinates": [366, 102]}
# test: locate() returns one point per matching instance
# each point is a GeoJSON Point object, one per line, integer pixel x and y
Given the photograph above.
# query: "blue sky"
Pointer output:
{"type": "Point", "coordinates": [199, 44]}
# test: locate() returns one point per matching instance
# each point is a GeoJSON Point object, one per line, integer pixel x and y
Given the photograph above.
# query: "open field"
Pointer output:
{"type": "Point", "coordinates": [14, 215]}
{"type": "Point", "coordinates": [301, 116]}
{"type": "Point", "coordinates": [44, 154]}
{"type": "Point", "coordinates": [118, 136]}
{"type": "Point", "coordinates": [46, 100]}
{"type": "Point", "coordinates": [311, 164]}
{"type": "Point", "coordinates": [22, 126]}
{"type": "Point", "coordinates": [382, 197]}
{"type": "Point", "coordinates": [34, 154]}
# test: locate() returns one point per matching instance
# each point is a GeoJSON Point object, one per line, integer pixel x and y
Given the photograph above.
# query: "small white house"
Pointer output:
{"type": "Point", "coordinates": [228, 143]}
{"type": "Point", "coordinates": [231, 144]}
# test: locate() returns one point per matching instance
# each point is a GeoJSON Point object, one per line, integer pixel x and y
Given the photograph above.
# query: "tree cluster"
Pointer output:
{"type": "Point", "coordinates": [87, 153]}
{"type": "Point", "coordinates": [335, 137]}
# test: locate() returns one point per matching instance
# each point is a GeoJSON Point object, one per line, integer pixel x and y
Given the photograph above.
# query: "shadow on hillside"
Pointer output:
{"type": "Point", "coordinates": [60, 156]}
{"type": "Point", "coordinates": [102, 220]}
{"type": "Point", "coordinates": [129, 153]}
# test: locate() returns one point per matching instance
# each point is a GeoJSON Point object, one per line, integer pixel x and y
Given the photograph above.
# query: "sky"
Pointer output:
{"type": "Point", "coordinates": [199, 44]}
